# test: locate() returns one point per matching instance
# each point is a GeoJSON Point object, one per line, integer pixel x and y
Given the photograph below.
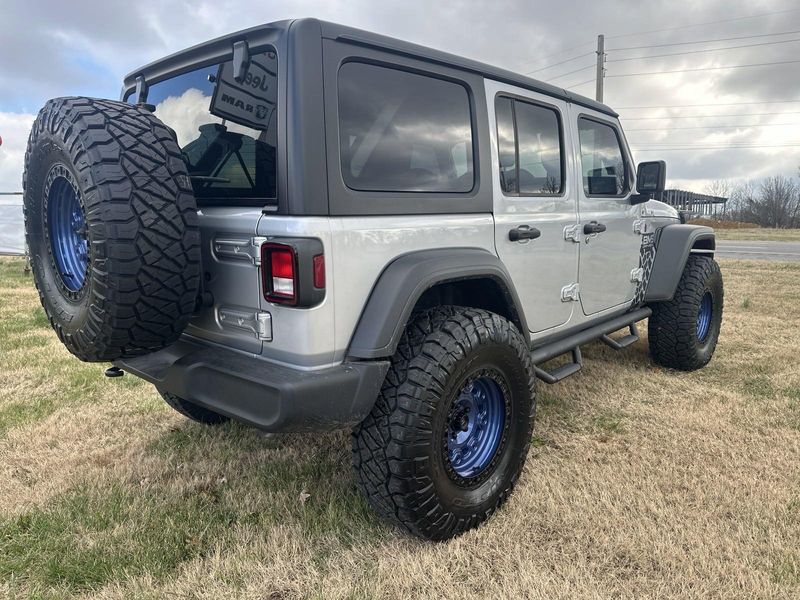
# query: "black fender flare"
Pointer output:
{"type": "Point", "coordinates": [673, 246]}
{"type": "Point", "coordinates": [405, 279]}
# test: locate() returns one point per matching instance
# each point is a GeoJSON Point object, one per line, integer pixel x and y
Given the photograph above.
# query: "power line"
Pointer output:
{"type": "Point", "coordinates": [781, 62]}
{"type": "Point", "coordinates": [729, 39]}
{"type": "Point", "coordinates": [740, 126]}
{"type": "Point", "coordinates": [668, 118]}
{"type": "Point", "coordinates": [769, 14]}
{"type": "Point", "coordinates": [559, 53]}
{"type": "Point", "coordinates": [702, 50]}
{"type": "Point", "coordinates": [714, 104]}
{"type": "Point", "coordinates": [684, 148]}
{"type": "Point", "coordinates": [570, 73]}
{"type": "Point", "coordinates": [559, 63]}
{"type": "Point", "coordinates": [580, 84]}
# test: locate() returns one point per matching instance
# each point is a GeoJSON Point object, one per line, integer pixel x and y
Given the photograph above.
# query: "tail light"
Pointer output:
{"type": "Point", "coordinates": [280, 273]}
{"type": "Point", "coordinates": [293, 271]}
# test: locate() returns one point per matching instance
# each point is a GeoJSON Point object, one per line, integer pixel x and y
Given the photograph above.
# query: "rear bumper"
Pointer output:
{"type": "Point", "coordinates": [268, 396]}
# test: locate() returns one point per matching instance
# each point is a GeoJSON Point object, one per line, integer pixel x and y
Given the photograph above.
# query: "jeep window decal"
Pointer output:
{"type": "Point", "coordinates": [251, 102]}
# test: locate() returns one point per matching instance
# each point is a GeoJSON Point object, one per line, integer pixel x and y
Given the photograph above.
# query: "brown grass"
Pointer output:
{"type": "Point", "coordinates": [759, 235]}
{"type": "Point", "coordinates": [641, 483]}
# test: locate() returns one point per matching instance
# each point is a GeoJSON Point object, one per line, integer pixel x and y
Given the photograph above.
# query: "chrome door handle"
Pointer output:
{"type": "Point", "coordinates": [523, 232]}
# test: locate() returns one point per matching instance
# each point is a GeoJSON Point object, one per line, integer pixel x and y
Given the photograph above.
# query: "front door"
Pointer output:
{"type": "Point", "coordinates": [609, 253]}
{"type": "Point", "coordinates": [534, 200]}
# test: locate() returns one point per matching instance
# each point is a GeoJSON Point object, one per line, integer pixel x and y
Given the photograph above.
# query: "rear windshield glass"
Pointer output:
{"type": "Point", "coordinates": [403, 132]}
{"type": "Point", "coordinates": [226, 129]}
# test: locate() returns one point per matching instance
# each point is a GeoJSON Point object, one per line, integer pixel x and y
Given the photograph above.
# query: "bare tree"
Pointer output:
{"type": "Point", "coordinates": [774, 202]}
{"type": "Point", "coordinates": [721, 188]}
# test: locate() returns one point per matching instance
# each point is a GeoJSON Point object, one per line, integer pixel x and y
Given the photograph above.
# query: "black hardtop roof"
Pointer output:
{"type": "Point", "coordinates": [335, 31]}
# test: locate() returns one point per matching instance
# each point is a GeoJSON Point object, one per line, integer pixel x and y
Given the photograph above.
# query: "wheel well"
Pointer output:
{"type": "Point", "coordinates": [484, 292]}
{"type": "Point", "coordinates": [706, 243]}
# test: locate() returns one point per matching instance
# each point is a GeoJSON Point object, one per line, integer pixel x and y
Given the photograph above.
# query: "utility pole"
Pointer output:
{"type": "Point", "coordinates": [601, 71]}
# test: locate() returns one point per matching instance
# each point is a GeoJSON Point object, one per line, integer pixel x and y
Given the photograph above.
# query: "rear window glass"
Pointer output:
{"type": "Point", "coordinates": [226, 129]}
{"type": "Point", "coordinates": [403, 132]}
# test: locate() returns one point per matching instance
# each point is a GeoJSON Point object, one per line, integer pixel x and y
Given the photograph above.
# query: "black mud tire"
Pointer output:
{"type": "Point", "coordinates": [193, 411]}
{"type": "Point", "coordinates": [672, 328]}
{"type": "Point", "coordinates": [399, 451]}
{"type": "Point", "coordinates": [143, 273]}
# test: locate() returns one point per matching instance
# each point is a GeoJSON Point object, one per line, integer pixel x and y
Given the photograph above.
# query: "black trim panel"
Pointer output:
{"type": "Point", "coordinates": [674, 244]}
{"type": "Point", "coordinates": [269, 396]}
{"type": "Point", "coordinates": [404, 281]}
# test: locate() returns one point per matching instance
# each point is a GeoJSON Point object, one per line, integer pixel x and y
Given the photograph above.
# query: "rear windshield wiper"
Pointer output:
{"type": "Point", "coordinates": [209, 179]}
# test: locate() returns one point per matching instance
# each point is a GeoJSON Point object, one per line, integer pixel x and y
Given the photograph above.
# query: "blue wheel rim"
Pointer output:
{"type": "Point", "coordinates": [67, 231]}
{"type": "Point", "coordinates": [704, 316]}
{"type": "Point", "coordinates": [475, 426]}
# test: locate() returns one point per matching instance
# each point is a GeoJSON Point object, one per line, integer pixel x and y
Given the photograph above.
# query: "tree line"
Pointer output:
{"type": "Point", "coordinates": [771, 202]}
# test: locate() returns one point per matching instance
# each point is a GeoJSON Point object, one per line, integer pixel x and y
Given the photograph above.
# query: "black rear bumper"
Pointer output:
{"type": "Point", "coordinates": [268, 396]}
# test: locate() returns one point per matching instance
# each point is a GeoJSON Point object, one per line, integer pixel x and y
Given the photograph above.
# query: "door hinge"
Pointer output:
{"type": "Point", "coordinates": [637, 275]}
{"type": "Point", "coordinates": [572, 233]}
{"type": "Point", "coordinates": [570, 293]}
{"type": "Point", "coordinates": [642, 226]}
{"type": "Point", "coordinates": [240, 249]}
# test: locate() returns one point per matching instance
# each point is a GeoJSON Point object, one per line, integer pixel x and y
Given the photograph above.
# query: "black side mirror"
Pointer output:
{"type": "Point", "coordinates": [651, 178]}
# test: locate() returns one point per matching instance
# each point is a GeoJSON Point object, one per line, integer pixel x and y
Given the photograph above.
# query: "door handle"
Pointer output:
{"type": "Point", "coordinates": [593, 227]}
{"type": "Point", "coordinates": [523, 232]}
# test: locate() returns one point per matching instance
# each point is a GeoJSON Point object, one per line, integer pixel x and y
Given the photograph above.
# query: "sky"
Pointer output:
{"type": "Point", "coordinates": [51, 48]}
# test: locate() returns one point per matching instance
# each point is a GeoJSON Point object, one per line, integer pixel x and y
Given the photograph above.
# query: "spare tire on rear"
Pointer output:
{"type": "Point", "coordinates": [112, 229]}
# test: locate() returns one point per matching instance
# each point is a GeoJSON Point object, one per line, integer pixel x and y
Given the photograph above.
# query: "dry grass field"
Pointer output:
{"type": "Point", "coordinates": [641, 483]}
{"type": "Point", "coordinates": [760, 235]}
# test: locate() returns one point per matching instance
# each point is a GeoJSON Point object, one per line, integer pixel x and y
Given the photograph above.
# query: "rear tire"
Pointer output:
{"type": "Point", "coordinates": [448, 436]}
{"type": "Point", "coordinates": [683, 332]}
{"type": "Point", "coordinates": [111, 226]}
{"type": "Point", "coordinates": [193, 411]}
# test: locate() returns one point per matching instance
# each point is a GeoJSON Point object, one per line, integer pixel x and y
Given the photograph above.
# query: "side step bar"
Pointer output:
{"type": "Point", "coordinates": [572, 344]}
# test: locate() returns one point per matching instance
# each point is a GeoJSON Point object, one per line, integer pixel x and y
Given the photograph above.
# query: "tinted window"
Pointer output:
{"type": "Point", "coordinates": [403, 132]}
{"type": "Point", "coordinates": [226, 129]}
{"type": "Point", "coordinates": [506, 145]}
{"type": "Point", "coordinates": [529, 148]}
{"type": "Point", "coordinates": [602, 162]}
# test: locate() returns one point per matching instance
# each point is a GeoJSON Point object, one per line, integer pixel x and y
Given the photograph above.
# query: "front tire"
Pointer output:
{"type": "Point", "coordinates": [448, 436]}
{"type": "Point", "coordinates": [683, 332]}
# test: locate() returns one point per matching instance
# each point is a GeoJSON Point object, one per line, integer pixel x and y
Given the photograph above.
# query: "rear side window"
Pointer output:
{"type": "Point", "coordinates": [226, 129]}
{"type": "Point", "coordinates": [403, 132]}
{"type": "Point", "coordinates": [602, 160]}
{"type": "Point", "coordinates": [529, 148]}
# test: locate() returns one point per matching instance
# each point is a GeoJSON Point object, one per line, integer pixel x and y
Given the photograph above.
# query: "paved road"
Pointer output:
{"type": "Point", "coordinates": [772, 251]}
{"type": "Point", "coordinates": [12, 235]}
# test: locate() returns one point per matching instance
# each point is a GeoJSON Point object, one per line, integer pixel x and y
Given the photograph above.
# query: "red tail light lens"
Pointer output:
{"type": "Point", "coordinates": [319, 271]}
{"type": "Point", "coordinates": [280, 273]}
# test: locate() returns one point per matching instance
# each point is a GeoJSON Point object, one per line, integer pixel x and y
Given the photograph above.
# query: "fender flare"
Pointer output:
{"type": "Point", "coordinates": [404, 280]}
{"type": "Point", "coordinates": [674, 244]}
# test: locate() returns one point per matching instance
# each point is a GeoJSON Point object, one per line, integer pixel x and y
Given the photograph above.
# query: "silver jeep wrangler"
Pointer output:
{"type": "Point", "coordinates": [304, 226]}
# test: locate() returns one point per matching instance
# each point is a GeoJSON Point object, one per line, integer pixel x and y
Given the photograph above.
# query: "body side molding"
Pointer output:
{"type": "Point", "coordinates": [403, 282]}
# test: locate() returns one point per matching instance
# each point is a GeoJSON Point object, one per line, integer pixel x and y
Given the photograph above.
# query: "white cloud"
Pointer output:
{"type": "Point", "coordinates": [14, 129]}
{"type": "Point", "coordinates": [87, 49]}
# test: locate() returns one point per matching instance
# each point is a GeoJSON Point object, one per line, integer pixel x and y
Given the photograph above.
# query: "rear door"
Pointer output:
{"type": "Point", "coordinates": [534, 200]}
{"type": "Point", "coordinates": [610, 250]}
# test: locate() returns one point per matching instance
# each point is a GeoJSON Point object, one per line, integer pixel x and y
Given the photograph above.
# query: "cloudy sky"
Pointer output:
{"type": "Point", "coordinates": [51, 48]}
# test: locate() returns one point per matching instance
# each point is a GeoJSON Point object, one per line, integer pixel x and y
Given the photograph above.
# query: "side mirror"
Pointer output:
{"type": "Point", "coordinates": [651, 177]}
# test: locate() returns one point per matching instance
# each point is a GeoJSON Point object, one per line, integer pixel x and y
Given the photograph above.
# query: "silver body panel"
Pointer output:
{"type": "Point", "coordinates": [358, 249]}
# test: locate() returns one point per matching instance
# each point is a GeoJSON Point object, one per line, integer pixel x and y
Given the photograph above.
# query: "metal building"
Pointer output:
{"type": "Point", "coordinates": [701, 205]}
